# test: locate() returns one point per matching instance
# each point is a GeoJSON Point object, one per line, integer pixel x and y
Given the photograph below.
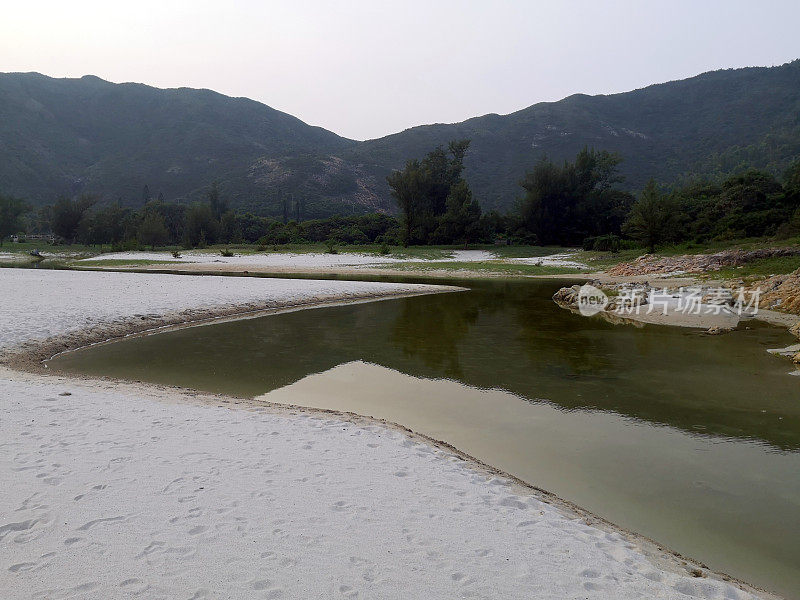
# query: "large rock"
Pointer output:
{"type": "Point", "coordinates": [567, 296]}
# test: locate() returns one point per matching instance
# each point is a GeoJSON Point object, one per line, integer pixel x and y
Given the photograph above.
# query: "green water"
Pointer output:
{"type": "Point", "coordinates": [689, 439]}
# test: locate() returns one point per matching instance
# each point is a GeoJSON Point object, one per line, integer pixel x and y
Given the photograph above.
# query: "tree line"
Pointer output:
{"type": "Point", "coordinates": [573, 203]}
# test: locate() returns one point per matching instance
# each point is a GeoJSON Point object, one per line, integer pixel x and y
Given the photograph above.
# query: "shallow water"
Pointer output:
{"type": "Point", "coordinates": [689, 439]}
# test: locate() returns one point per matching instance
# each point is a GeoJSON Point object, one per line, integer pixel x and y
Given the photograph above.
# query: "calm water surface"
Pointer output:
{"type": "Point", "coordinates": [691, 440]}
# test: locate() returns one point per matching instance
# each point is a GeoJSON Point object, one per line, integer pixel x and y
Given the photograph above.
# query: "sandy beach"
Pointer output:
{"type": "Point", "coordinates": [118, 490]}
{"type": "Point", "coordinates": [346, 263]}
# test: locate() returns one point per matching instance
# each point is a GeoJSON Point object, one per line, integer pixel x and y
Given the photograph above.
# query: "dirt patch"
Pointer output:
{"type": "Point", "coordinates": [696, 263]}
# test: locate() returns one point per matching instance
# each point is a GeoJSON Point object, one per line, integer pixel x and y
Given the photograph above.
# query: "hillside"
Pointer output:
{"type": "Point", "coordinates": [708, 125]}
{"type": "Point", "coordinates": [67, 136]}
{"type": "Point", "coordinates": [64, 136]}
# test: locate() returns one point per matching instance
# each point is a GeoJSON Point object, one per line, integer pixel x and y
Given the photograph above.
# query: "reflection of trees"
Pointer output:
{"type": "Point", "coordinates": [506, 335]}
{"type": "Point", "coordinates": [513, 337]}
{"type": "Point", "coordinates": [570, 346]}
{"type": "Point", "coordinates": [434, 329]}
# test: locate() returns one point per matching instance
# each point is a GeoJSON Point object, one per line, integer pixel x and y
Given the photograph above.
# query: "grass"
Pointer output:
{"type": "Point", "coordinates": [122, 262]}
{"type": "Point", "coordinates": [484, 267]}
{"type": "Point", "coordinates": [763, 267]}
{"type": "Point", "coordinates": [45, 248]}
{"type": "Point", "coordinates": [720, 245]}
{"type": "Point", "coordinates": [600, 261]}
{"type": "Point", "coordinates": [524, 251]}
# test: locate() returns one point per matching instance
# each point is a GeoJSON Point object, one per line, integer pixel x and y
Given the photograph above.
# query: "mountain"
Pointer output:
{"type": "Point", "coordinates": [709, 125]}
{"type": "Point", "coordinates": [64, 136]}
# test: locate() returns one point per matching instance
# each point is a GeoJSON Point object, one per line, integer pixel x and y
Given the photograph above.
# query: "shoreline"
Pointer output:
{"type": "Point", "coordinates": [28, 366]}
{"type": "Point", "coordinates": [31, 356]}
{"type": "Point", "coordinates": [659, 555]}
{"type": "Point", "coordinates": [24, 365]}
{"type": "Point", "coordinates": [772, 317]}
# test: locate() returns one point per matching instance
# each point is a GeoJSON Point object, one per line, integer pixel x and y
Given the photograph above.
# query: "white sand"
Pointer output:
{"type": "Point", "coordinates": [283, 260]}
{"type": "Point", "coordinates": [39, 304]}
{"type": "Point", "coordinates": [119, 491]}
{"type": "Point", "coordinates": [10, 257]}
{"type": "Point", "coordinates": [563, 259]}
{"type": "Point", "coordinates": [108, 494]}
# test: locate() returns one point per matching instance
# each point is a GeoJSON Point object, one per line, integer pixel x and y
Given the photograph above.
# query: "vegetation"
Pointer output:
{"type": "Point", "coordinates": [488, 267]}
{"type": "Point", "coordinates": [436, 204]}
{"type": "Point", "coordinates": [113, 140]}
{"type": "Point", "coordinates": [565, 204]}
{"type": "Point", "coordinates": [11, 211]}
{"type": "Point", "coordinates": [652, 218]}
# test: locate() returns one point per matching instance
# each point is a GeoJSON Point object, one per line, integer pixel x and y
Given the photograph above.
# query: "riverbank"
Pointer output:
{"type": "Point", "coordinates": [423, 262]}
{"type": "Point", "coordinates": [151, 480]}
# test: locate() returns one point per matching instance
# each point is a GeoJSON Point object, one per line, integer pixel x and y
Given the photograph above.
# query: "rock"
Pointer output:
{"type": "Point", "coordinates": [796, 359]}
{"type": "Point", "coordinates": [721, 296]}
{"type": "Point", "coordinates": [567, 296]}
{"type": "Point", "coordinates": [718, 330]}
{"type": "Point", "coordinates": [696, 263]}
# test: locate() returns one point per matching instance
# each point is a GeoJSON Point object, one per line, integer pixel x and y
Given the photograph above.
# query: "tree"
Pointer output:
{"type": "Point", "coordinates": [421, 190]}
{"type": "Point", "coordinates": [407, 189]}
{"type": "Point", "coordinates": [563, 204]}
{"type": "Point", "coordinates": [152, 230]}
{"type": "Point", "coordinates": [67, 216]}
{"type": "Point", "coordinates": [461, 221]}
{"type": "Point", "coordinates": [651, 217]}
{"type": "Point", "coordinates": [219, 206]}
{"type": "Point", "coordinates": [11, 211]}
{"type": "Point", "coordinates": [146, 197]}
{"type": "Point", "coordinates": [200, 228]}
{"type": "Point", "coordinates": [227, 228]}
{"type": "Point", "coordinates": [792, 178]}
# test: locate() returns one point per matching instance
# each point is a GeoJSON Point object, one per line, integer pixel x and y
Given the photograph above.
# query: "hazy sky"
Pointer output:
{"type": "Point", "coordinates": [366, 69]}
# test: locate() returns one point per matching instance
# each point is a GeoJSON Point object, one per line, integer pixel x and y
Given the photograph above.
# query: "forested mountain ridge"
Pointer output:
{"type": "Point", "coordinates": [67, 136]}
{"type": "Point", "coordinates": [705, 126]}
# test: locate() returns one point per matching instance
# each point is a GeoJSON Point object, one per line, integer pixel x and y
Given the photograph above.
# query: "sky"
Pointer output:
{"type": "Point", "coordinates": [364, 69]}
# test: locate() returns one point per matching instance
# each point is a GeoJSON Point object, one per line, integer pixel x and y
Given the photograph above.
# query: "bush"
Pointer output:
{"type": "Point", "coordinates": [385, 248]}
{"type": "Point", "coordinates": [331, 247]}
{"type": "Point", "coordinates": [226, 253]}
{"type": "Point", "coordinates": [607, 243]}
{"type": "Point", "coordinates": [125, 245]}
{"type": "Point", "coordinates": [603, 243]}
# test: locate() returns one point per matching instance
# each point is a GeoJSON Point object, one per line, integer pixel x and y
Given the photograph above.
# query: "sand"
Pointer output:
{"type": "Point", "coordinates": [300, 260]}
{"type": "Point", "coordinates": [113, 490]}
{"type": "Point", "coordinates": [72, 308]}
{"type": "Point", "coordinates": [342, 264]}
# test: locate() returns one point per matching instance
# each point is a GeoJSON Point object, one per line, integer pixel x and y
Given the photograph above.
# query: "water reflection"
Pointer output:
{"type": "Point", "coordinates": [502, 335]}
{"type": "Point", "coordinates": [687, 438]}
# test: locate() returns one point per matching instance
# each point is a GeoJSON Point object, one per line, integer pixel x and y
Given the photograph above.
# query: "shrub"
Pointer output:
{"type": "Point", "coordinates": [125, 245]}
{"type": "Point", "coordinates": [603, 243]}
{"type": "Point", "coordinates": [331, 245]}
{"type": "Point", "coordinates": [226, 253]}
{"type": "Point", "coordinates": [607, 243]}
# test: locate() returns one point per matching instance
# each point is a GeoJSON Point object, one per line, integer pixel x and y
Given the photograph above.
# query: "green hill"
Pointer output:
{"type": "Point", "coordinates": [65, 136]}
{"type": "Point", "coordinates": [709, 125]}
